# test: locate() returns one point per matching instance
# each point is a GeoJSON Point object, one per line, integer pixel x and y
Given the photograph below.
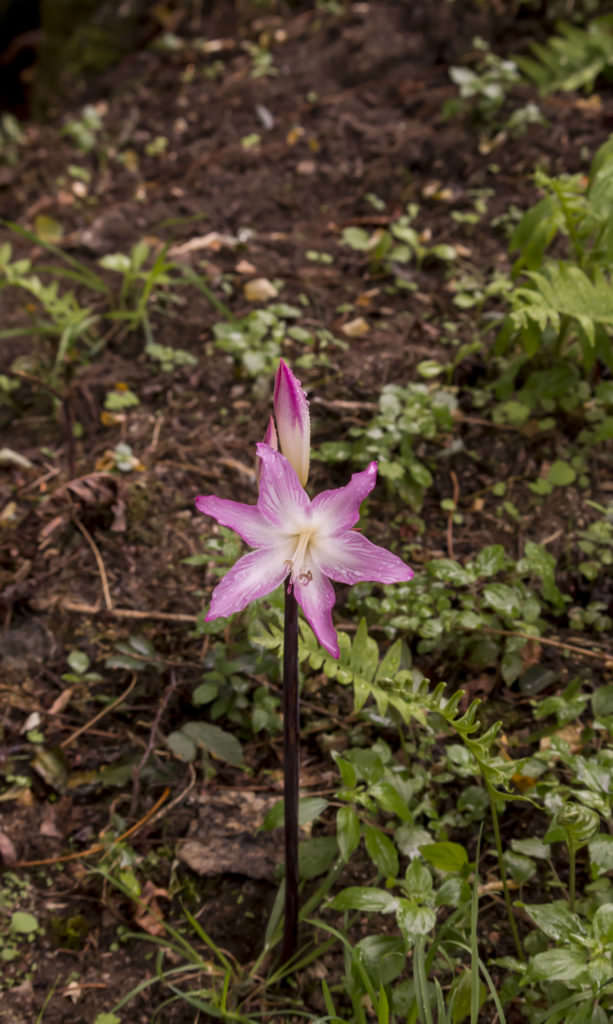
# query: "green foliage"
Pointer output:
{"type": "Point", "coordinates": [406, 414]}
{"type": "Point", "coordinates": [401, 244]}
{"type": "Point", "coordinates": [572, 59]}
{"type": "Point", "coordinates": [483, 89]}
{"type": "Point", "coordinates": [64, 320]}
{"type": "Point", "coordinates": [255, 340]}
{"type": "Point", "coordinates": [561, 313]}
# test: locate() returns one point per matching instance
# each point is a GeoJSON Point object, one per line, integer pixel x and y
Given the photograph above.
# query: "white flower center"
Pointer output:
{"type": "Point", "coordinates": [298, 564]}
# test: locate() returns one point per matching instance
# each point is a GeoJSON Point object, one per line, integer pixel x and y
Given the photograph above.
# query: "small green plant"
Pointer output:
{"type": "Point", "coordinates": [483, 90]}
{"type": "Point", "coordinates": [141, 286]}
{"type": "Point", "coordinates": [417, 413]}
{"type": "Point", "coordinates": [572, 59]}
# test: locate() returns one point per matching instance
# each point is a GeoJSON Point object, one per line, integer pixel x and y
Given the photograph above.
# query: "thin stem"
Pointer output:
{"type": "Point", "coordinates": [572, 874]}
{"type": "Point", "coordinates": [503, 874]}
{"type": "Point", "coordinates": [291, 725]}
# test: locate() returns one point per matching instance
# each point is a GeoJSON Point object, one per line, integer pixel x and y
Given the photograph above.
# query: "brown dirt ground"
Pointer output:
{"type": "Point", "coordinates": [380, 72]}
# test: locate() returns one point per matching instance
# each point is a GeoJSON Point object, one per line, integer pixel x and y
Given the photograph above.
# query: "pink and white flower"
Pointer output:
{"type": "Point", "coordinates": [293, 421]}
{"type": "Point", "coordinates": [311, 542]}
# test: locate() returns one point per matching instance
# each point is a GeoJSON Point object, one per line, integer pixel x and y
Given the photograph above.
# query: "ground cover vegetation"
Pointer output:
{"type": "Point", "coordinates": [411, 206]}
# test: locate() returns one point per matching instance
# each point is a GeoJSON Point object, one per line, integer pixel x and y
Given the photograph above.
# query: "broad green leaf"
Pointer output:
{"type": "Point", "coordinates": [381, 851]}
{"type": "Point", "coordinates": [601, 854]}
{"type": "Point", "coordinates": [347, 831]}
{"type": "Point", "coordinates": [357, 238]}
{"type": "Point", "coordinates": [445, 856]}
{"type": "Point", "coordinates": [555, 919]}
{"type": "Point", "coordinates": [216, 741]}
{"type": "Point", "coordinates": [414, 920]}
{"type": "Point", "coordinates": [78, 661]}
{"type": "Point", "coordinates": [23, 923]}
{"type": "Point", "coordinates": [309, 808]}
{"type": "Point", "coordinates": [557, 965]}
{"type": "Point", "coordinates": [367, 898]}
{"type": "Point", "coordinates": [602, 701]}
{"type": "Point", "coordinates": [502, 599]}
{"type": "Point", "coordinates": [204, 693]}
{"type": "Point", "coordinates": [383, 956]}
{"type": "Point", "coordinates": [316, 855]}
{"type": "Point", "coordinates": [410, 838]}
{"type": "Point", "coordinates": [490, 560]}
{"type": "Point", "coordinates": [418, 881]}
{"type": "Point", "coordinates": [389, 799]}
{"type": "Point", "coordinates": [448, 571]}
{"type": "Point", "coordinates": [602, 924]}
{"type": "Point", "coordinates": [561, 473]}
{"type": "Point", "coordinates": [182, 746]}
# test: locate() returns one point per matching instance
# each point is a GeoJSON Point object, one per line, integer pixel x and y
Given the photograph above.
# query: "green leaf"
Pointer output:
{"type": "Point", "coordinates": [367, 898]}
{"type": "Point", "coordinates": [561, 473]}
{"type": "Point", "coordinates": [448, 571]}
{"type": "Point", "coordinates": [418, 881]}
{"type": "Point", "coordinates": [602, 924]}
{"type": "Point", "coordinates": [557, 965]}
{"type": "Point", "coordinates": [502, 599]}
{"type": "Point", "coordinates": [309, 808]}
{"type": "Point", "coordinates": [78, 661]}
{"type": "Point", "coordinates": [383, 956]}
{"type": "Point", "coordinates": [414, 920]}
{"type": "Point", "coordinates": [182, 746]}
{"type": "Point", "coordinates": [601, 854]}
{"type": "Point", "coordinates": [48, 229]}
{"type": "Point", "coordinates": [390, 800]}
{"type": "Point", "coordinates": [23, 923]}
{"type": "Point", "coordinates": [347, 831]}
{"type": "Point", "coordinates": [381, 851]}
{"type": "Point", "coordinates": [555, 919]}
{"type": "Point", "coordinates": [107, 1018]}
{"type": "Point", "coordinates": [445, 856]}
{"type": "Point", "coordinates": [204, 693]}
{"type": "Point", "coordinates": [602, 701]}
{"type": "Point", "coordinates": [364, 653]}
{"type": "Point", "coordinates": [316, 855]}
{"type": "Point", "coordinates": [357, 238]}
{"type": "Point", "coordinates": [216, 741]}
{"type": "Point", "coordinates": [490, 560]}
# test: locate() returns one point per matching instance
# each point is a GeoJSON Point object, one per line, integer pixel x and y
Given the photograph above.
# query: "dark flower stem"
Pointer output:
{"type": "Point", "coordinates": [291, 725]}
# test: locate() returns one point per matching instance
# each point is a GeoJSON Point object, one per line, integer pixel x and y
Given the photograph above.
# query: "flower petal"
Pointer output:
{"type": "Point", "coordinates": [316, 598]}
{"type": "Point", "coordinates": [339, 510]}
{"type": "Point", "coordinates": [281, 501]}
{"type": "Point", "coordinates": [351, 558]}
{"type": "Point", "coordinates": [246, 520]}
{"type": "Point", "coordinates": [254, 575]}
{"type": "Point", "coordinates": [293, 423]}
